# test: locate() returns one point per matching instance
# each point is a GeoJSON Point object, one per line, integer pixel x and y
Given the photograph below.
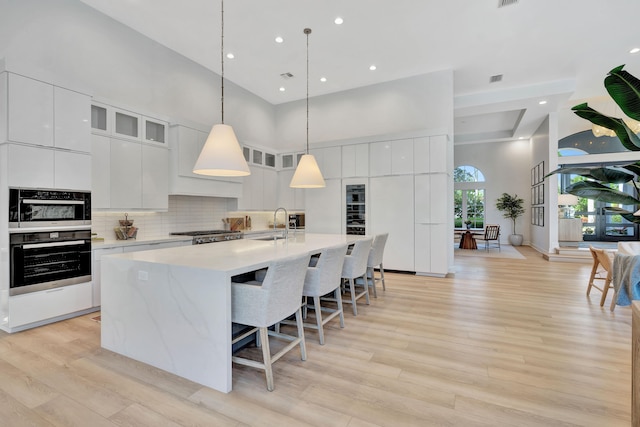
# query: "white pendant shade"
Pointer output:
{"type": "Point", "coordinates": [221, 154]}
{"type": "Point", "coordinates": [307, 174]}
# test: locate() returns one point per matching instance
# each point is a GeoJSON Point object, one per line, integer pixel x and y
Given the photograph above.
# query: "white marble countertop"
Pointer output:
{"type": "Point", "coordinates": [239, 256]}
{"type": "Point", "coordinates": [113, 243]}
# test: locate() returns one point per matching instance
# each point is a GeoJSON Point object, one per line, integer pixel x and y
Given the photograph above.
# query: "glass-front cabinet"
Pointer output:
{"type": "Point", "coordinates": [355, 209]}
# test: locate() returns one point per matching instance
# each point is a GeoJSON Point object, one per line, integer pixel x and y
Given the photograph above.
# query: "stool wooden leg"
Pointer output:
{"type": "Point", "coordinates": [266, 357]}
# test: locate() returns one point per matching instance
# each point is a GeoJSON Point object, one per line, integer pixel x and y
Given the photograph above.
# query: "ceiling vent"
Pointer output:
{"type": "Point", "coordinates": [495, 79]}
{"type": "Point", "coordinates": [503, 3]}
{"type": "Point", "coordinates": [286, 76]}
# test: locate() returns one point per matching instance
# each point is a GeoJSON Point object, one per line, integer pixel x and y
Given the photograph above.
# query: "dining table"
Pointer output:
{"type": "Point", "coordinates": [467, 237]}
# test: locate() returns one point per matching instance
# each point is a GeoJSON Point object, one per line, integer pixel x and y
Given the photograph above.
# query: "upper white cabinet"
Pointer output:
{"type": "Point", "coordinates": [329, 161]}
{"type": "Point", "coordinates": [289, 198]}
{"type": "Point", "coordinates": [154, 131]}
{"type": "Point", "coordinates": [429, 153]}
{"type": "Point", "coordinates": [260, 190]}
{"type": "Point", "coordinates": [186, 142]}
{"type": "Point", "coordinates": [126, 124]}
{"type": "Point", "coordinates": [355, 160]}
{"type": "Point", "coordinates": [391, 157]}
{"type": "Point", "coordinates": [128, 175]}
{"type": "Point", "coordinates": [323, 208]}
{"type": "Point", "coordinates": [72, 120]}
{"type": "Point", "coordinates": [30, 111]}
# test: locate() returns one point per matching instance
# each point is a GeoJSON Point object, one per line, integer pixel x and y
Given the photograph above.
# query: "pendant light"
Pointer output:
{"type": "Point", "coordinates": [221, 154]}
{"type": "Point", "coordinates": [307, 173]}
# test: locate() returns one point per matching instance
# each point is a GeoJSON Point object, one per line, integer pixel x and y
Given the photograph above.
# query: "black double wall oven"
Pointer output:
{"type": "Point", "coordinates": [49, 239]}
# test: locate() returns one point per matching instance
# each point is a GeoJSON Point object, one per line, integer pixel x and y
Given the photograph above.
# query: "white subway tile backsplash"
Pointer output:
{"type": "Point", "coordinates": [185, 213]}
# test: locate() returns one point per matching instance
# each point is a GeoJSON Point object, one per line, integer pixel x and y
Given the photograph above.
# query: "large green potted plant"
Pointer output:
{"type": "Point", "coordinates": [624, 89]}
{"type": "Point", "coordinates": [511, 208]}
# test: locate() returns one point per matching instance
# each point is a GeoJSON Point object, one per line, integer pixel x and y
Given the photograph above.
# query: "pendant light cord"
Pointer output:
{"type": "Point", "coordinates": [307, 31]}
{"type": "Point", "coordinates": [222, 61]}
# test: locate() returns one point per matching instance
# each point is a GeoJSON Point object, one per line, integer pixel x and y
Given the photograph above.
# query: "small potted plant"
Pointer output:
{"type": "Point", "coordinates": [511, 208]}
{"type": "Point", "coordinates": [468, 224]}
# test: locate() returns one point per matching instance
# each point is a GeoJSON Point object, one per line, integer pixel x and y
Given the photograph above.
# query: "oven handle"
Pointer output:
{"type": "Point", "coordinates": [53, 202]}
{"type": "Point", "coordinates": [53, 244]}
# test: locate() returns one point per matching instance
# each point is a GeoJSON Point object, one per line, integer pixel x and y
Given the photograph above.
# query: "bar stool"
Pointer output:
{"type": "Point", "coordinates": [355, 266]}
{"type": "Point", "coordinates": [602, 269]}
{"type": "Point", "coordinates": [262, 304]}
{"type": "Point", "coordinates": [375, 260]}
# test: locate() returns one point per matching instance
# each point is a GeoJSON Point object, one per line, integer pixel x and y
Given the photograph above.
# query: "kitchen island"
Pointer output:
{"type": "Point", "coordinates": [171, 308]}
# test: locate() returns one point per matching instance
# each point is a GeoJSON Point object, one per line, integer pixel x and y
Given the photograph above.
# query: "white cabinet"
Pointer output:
{"type": "Point", "coordinates": [329, 161]}
{"type": "Point", "coordinates": [31, 166]}
{"type": "Point", "coordinates": [36, 308]}
{"type": "Point", "coordinates": [289, 198]}
{"type": "Point", "coordinates": [391, 157]}
{"type": "Point", "coordinates": [128, 175]}
{"type": "Point", "coordinates": [323, 208]}
{"type": "Point", "coordinates": [429, 154]}
{"type": "Point", "coordinates": [30, 111]}
{"type": "Point", "coordinates": [72, 170]}
{"type": "Point", "coordinates": [100, 172]}
{"type": "Point", "coordinates": [391, 211]}
{"type": "Point", "coordinates": [72, 120]}
{"type": "Point", "coordinates": [155, 179]}
{"type": "Point", "coordinates": [431, 249]}
{"type": "Point", "coordinates": [429, 205]}
{"type": "Point", "coordinates": [355, 160]}
{"type": "Point", "coordinates": [125, 174]}
{"type": "Point", "coordinates": [260, 190]}
{"type": "Point", "coordinates": [127, 124]}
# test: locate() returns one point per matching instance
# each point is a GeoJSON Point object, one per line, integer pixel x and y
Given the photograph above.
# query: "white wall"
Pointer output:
{"type": "Point", "coordinates": [544, 147]}
{"type": "Point", "coordinates": [70, 44]}
{"type": "Point", "coordinates": [423, 102]}
{"type": "Point", "coordinates": [505, 166]}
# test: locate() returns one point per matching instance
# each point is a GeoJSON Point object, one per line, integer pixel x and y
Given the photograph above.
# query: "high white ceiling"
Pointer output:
{"type": "Point", "coordinates": [557, 50]}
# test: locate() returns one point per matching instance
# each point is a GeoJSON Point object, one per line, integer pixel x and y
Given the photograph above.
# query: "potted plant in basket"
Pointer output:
{"type": "Point", "coordinates": [511, 208]}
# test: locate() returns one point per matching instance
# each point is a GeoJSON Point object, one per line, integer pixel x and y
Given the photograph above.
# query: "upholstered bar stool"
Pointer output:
{"type": "Point", "coordinates": [322, 279]}
{"type": "Point", "coordinates": [375, 260]}
{"type": "Point", "coordinates": [355, 266]}
{"type": "Point", "coordinates": [262, 304]}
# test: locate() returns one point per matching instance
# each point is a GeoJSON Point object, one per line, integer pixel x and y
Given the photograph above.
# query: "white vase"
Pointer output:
{"type": "Point", "coordinates": [515, 239]}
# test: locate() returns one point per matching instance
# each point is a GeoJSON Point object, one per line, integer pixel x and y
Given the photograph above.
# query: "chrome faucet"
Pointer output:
{"type": "Point", "coordinates": [286, 222]}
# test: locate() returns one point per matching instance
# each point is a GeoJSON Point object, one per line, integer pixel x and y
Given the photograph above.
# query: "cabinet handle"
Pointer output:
{"type": "Point", "coordinates": [55, 290]}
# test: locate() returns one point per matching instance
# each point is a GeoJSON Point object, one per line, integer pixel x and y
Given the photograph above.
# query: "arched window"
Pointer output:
{"type": "Point", "coordinates": [468, 196]}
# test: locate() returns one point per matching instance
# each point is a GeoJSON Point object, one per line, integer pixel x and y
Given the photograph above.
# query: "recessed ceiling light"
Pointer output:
{"type": "Point", "coordinates": [279, 39]}
{"type": "Point", "coordinates": [338, 21]}
{"type": "Point", "coordinates": [323, 79]}
{"type": "Point", "coordinates": [372, 67]}
{"type": "Point", "coordinates": [282, 89]}
{"type": "Point", "coordinates": [635, 50]}
{"type": "Point", "coordinates": [542, 102]}
{"type": "Point", "coordinates": [522, 137]}
{"type": "Point", "coordinates": [230, 55]}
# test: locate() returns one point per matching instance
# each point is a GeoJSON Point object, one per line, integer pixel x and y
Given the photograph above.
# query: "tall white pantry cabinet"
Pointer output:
{"type": "Point", "coordinates": [408, 197]}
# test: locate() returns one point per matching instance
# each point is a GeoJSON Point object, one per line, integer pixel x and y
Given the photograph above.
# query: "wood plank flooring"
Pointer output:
{"type": "Point", "coordinates": [503, 343]}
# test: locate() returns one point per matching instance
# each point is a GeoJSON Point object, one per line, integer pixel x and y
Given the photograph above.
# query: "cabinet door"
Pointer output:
{"type": "Point", "coordinates": [380, 158]}
{"type": "Point", "coordinates": [29, 166]}
{"type": "Point", "coordinates": [402, 157]}
{"type": "Point", "coordinates": [270, 190]}
{"type": "Point", "coordinates": [43, 305]}
{"type": "Point", "coordinates": [391, 210]}
{"type": "Point", "coordinates": [72, 120]}
{"type": "Point", "coordinates": [257, 188]}
{"type": "Point", "coordinates": [189, 144]}
{"type": "Point", "coordinates": [72, 171]}
{"type": "Point", "coordinates": [244, 202]}
{"type": "Point", "coordinates": [126, 174]}
{"type": "Point", "coordinates": [324, 208]}
{"type": "Point", "coordinates": [127, 124]}
{"type": "Point", "coordinates": [421, 157]}
{"type": "Point", "coordinates": [422, 199]}
{"type": "Point", "coordinates": [355, 160]}
{"type": "Point", "coordinates": [97, 255]}
{"type": "Point", "coordinates": [438, 153]}
{"type": "Point", "coordinates": [155, 177]}
{"type": "Point", "coordinates": [100, 172]}
{"type": "Point", "coordinates": [286, 195]}
{"type": "Point", "coordinates": [30, 111]}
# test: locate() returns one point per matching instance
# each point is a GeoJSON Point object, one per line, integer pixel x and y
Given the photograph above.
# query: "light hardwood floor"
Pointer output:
{"type": "Point", "coordinates": [503, 343]}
